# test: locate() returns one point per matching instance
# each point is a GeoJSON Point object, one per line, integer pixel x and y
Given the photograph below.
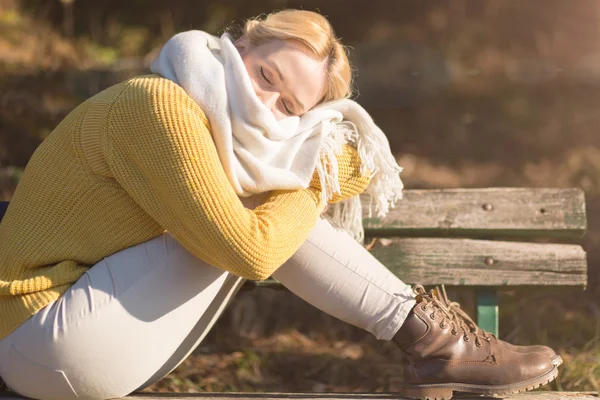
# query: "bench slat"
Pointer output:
{"type": "Point", "coordinates": [352, 396]}
{"type": "Point", "coordinates": [436, 261]}
{"type": "Point", "coordinates": [484, 213]}
{"type": "Point", "coordinates": [483, 263]}
{"type": "Point", "coordinates": [336, 396]}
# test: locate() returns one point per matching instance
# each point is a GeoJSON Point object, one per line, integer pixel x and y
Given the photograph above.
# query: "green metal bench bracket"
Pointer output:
{"type": "Point", "coordinates": [487, 310]}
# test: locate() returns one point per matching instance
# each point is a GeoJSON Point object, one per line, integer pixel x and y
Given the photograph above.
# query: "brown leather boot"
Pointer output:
{"type": "Point", "coordinates": [443, 354]}
{"type": "Point", "coordinates": [458, 313]}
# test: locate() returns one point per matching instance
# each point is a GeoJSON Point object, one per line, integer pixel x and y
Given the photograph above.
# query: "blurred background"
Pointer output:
{"type": "Point", "coordinates": [471, 93]}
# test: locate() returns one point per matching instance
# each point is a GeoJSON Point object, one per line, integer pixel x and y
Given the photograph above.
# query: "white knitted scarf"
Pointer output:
{"type": "Point", "coordinates": [261, 154]}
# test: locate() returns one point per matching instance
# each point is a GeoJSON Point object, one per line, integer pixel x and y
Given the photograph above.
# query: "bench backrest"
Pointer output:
{"type": "Point", "coordinates": [485, 213]}
{"type": "Point", "coordinates": [434, 237]}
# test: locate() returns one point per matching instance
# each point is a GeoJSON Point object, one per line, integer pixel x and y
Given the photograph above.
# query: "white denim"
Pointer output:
{"type": "Point", "coordinates": [137, 314]}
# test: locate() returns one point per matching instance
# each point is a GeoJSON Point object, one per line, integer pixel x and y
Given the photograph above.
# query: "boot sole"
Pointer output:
{"type": "Point", "coordinates": [557, 360]}
{"type": "Point", "coordinates": [444, 391]}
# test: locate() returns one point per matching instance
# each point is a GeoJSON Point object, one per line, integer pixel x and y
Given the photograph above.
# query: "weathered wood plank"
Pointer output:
{"type": "Point", "coordinates": [482, 262]}
{"type": "Point", "coordinates": [337, 396]}
{"type": "Point", "coordinates": [351, 396]}
{"type": "Point", "coordinates": [493, 212]}
{"type": "Point", "coordinates": [435, 261]}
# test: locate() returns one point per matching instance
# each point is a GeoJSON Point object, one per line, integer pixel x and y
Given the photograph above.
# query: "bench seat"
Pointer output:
{"type": "Point", "coordinates": [335, 396]}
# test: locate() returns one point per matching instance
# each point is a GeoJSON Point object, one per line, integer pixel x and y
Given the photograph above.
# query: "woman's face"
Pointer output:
{"type": "Point", "coordinates": [284, 76]}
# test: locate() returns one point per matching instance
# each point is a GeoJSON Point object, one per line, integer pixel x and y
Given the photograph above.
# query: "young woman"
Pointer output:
{"type": "Point", "coordinates": [126, 236]}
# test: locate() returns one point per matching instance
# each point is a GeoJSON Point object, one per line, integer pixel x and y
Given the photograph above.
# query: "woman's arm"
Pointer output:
{"type": "Point", "coordinates": [160, 150]}
{"type": "Point", "coordinates": [350, 179]}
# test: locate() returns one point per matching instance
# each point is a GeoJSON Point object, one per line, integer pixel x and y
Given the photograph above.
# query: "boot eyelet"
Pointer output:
{"type": "Point", "coordinates": [466, 338]}
{"type": "Point", "coordinates": [423, 307]}
{"type": "Point", "coordinates": [478, 343]}
{"type": "Point", "coordinates": [443, 325]}
{"type": "Point", "coordinates": [454, 333]}
{"type": "Point", "coordinates": [432, 316]}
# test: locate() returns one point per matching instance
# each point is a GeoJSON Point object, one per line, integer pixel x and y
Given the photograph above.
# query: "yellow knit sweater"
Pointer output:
{"type": "Point", "coordinates": [120, 169]}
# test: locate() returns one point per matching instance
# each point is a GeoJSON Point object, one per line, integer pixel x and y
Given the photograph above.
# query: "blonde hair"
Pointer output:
{"type": "Point", "coordinates": [314, 31]}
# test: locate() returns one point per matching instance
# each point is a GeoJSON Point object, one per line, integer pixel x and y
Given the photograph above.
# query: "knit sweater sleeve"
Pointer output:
{"type": "Point", "coordinates": [352, 182]}
{"type": "Point", "coordinates": [160, 150]}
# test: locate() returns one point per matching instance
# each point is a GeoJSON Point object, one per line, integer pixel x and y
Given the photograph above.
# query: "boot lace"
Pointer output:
{"type": "Point", "coordinates": [450, 313]}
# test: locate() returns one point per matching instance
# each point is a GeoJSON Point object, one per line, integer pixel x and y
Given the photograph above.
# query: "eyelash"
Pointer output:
{"type": "Point", "coordinates": [262, 72]}
{"type": "Point", "coordinates": [287, 110]}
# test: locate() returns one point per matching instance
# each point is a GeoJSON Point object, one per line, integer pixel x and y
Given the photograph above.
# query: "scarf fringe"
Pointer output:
{"type": "Point", "coordinates": [384, 190]}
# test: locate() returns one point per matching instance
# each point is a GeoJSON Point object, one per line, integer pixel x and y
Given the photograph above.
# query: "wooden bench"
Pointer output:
{"type": "Point", "coordinates": [485, 239]}
{"type": "Point", "coordinates": [481, 238]}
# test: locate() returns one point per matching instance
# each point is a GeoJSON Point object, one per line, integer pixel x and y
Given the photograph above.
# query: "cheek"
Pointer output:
{"type": "Point", "coordinates": [320, 83]}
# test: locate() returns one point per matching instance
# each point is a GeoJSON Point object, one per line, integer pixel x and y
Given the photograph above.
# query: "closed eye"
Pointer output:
{"type": "Point", "coordinates": [262, 73]}
{"type": "Point", "coordinates": [287, 110]}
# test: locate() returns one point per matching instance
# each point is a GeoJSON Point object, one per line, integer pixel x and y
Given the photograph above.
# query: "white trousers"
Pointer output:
{"type": "Point", "coordinates": [136, 315]}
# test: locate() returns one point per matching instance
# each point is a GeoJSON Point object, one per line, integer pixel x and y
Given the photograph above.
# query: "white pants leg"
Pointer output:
{"type": "Point", "coordinates": [134, 316]}
{"type": "Point", "coordinates": [334, 273]}
{"type": "Point", "coordinates": [117, 326]}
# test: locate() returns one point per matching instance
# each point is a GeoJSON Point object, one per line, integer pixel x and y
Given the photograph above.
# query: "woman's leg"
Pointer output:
{"type": "Point", "coordinates": [337, 275]}
{"type": "Point", "coordinates": [442, 352]}
{"type": "Point", "coordinates": [133, 317]}
{"type": "Point", "coordinates": [130, 320]}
